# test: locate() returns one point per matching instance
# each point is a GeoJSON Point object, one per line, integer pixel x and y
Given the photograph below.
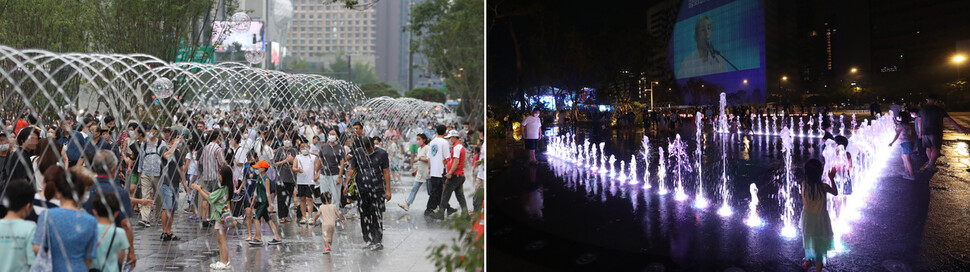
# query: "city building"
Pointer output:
{"type": "Point", "coordinates": [320, 31]}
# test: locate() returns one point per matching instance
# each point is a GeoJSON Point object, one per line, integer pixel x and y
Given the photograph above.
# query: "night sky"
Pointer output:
{"type": "Point", "coordinates": [583, 42]}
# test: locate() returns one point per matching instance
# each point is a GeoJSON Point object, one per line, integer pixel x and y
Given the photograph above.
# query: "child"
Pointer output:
{"type": "Point", "coordinates": [260, 206]}
{"type": "Point", "coordinates": [247, 189]}
{"type": "Point", "coordinates": [217, 206]}
{"type": "Point", "coordinates": [904, 132]}
{"type": "Point", "coordinates": [842, 171]}
{"type": "Point", "coordinates": [817, 232]}
{"type": "Point", "coordinates": [112, 240]}
{"type": "Point", "coordinates": [16, 251]}
{"type": "Point", "coordinates": [329, 214]}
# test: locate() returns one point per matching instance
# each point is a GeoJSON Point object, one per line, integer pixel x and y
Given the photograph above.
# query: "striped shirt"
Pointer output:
{"type": "Point", "coordinates": [211, 158]}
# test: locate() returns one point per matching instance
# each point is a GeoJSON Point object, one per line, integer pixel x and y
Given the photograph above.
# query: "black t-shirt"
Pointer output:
{"type": "Point", "coordinates": [173, 165]}
{"type": "Point", "coordinates": [931, 119]}
{"type": "Point", "coordinates": [370, 169]}
{"type": "Point", "coordinates": [331, 156]}
{"type": "Point", "coordinates": [18, 166]}
{"type": "Point", "coordinates": [134, 147]}
{"type": "Point", "coordinates": [284, 172]}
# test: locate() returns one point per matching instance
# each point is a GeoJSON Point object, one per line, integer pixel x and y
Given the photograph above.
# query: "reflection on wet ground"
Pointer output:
{"type": "Point", "coordinates": [407, 236]}
{"type": "Point", "coordinates": [544, 221]}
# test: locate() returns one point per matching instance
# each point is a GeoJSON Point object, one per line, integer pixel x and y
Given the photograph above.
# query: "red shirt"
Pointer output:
{"type": "Point", "coordinates": [20, 125]}
{"type": "Point", "coordinates": [461, 159]}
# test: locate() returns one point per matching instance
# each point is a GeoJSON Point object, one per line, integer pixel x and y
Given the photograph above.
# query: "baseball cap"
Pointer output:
{"type": "Point", "coordinates": [452, 133]}
{"type": "Point", "coordinates": [261, 164]}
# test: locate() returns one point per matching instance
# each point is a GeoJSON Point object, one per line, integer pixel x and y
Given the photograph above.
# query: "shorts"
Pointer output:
{"type": "Point", "coordinates": [304, 190]}
{"type": "Point", "coordinates": [168, 195]}
{"type": "Point", "coordinates": [134, 178]}
{"type": "Point", "coordinates": [413, 149]}
{"type": "Point", "coordinates": [260, 211]}
{"type": "Point", "coordinates": [933, 141]}
{"type": "Point", "coordinates": [531, 144]}
{"type": "Point", "coordinates": [907, 147]}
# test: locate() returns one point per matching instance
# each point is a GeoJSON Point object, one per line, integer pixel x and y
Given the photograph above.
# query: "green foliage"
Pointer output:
{"type": "Point", "coordinates": [453, 39]}
{"type": "Point", "coordinates": [378, 89]}
{"type": "Point", "coordinates": [362, 73]}
{"type": "Point", "coordinates": [427, 94]}
{"type": "Point", "coordinates": [465, 252]}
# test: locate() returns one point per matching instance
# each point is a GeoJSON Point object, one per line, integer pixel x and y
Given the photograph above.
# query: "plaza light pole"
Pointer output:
{"type": "Point", "coordinates": [958, 60]}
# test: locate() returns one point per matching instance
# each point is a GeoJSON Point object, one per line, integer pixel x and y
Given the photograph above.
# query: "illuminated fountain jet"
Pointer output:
{"type": "Point", "coordinates": [753, 219]}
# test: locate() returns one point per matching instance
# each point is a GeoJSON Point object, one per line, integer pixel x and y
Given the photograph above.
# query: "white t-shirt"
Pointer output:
{"type": "Point", "coordinates": [306, 163]}
{"type": "Point", "coordinates": [532, 126]}
{"type": "Point", "coordinates": [436, 154]}
{"type": "Point", "coordinates": [193, 163]}
{"type": "Point", "coordinates": [240, 157]}
{"type": "Point", "coordinates": [421, 167]}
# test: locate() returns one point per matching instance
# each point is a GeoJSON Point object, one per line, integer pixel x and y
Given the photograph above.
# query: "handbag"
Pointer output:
{"type": "Point", "coordinates": [43, 261]}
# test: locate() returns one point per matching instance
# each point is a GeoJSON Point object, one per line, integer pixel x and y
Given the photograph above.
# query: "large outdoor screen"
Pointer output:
{"type": "Point", "coordinates": [248, 34]}
{"type": "Point", "coordinates": [718, 46]}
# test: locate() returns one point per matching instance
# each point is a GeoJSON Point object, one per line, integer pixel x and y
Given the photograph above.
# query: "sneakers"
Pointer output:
{"type": "Point", "coordinates": [326, 251]}
{"type": "Point", "coordinates": [908, 177]}
{"type": "Point", "coordinates": [144, 223]}
{"type": "Point", "coordinates": [256, 242]}
{"type": "Point", "coordinates": [404, 206]}
{"type": "Point", "coordinates": [304, 221]}
{"type": "Point", "coordinates": [368, 246]}
{"type": "Point", "coordinates": [377, 246]}
{"type": "Point", "coordinates": [275, 242]}
{"type": "Point", "coordinates": [220, 266]}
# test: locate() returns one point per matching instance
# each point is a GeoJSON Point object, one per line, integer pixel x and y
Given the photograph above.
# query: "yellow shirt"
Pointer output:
{"type": "Point", "coordinates": [816, 205]}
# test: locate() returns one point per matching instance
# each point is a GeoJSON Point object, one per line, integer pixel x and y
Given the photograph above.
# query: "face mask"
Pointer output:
{"type": "Point", "coordinates": [305, 152]}
{"type": "Point", "coordinates": [332, 138]}
{"type": "Point", "coordinates": [131, 134]}
{"type": "Point", "coordinates": [288, 143]}
{"type": "Point", "coordinates": [149, 135]}
{"type": "Point", "coordinates": [225, 129]}
{"type": "Point", "coordinates": [4, 147]}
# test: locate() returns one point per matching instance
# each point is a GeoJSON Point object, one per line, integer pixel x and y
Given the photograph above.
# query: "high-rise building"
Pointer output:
{"type": "Point", "coordinates": [321, 30]}
{"type": "Point", "coordinates": [395, 62]}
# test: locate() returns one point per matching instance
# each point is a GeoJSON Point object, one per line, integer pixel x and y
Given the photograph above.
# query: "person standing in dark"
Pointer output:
{"type": "Point", "coordinates": [929, 124]}
{"type": "Point", "coordinates": [373, 184]}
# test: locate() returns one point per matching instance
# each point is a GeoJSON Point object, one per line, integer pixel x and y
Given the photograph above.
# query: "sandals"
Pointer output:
{"type": "Point", "coordinates": [806, 264]}
{"type": "Point", "coordinates": [170, 237]}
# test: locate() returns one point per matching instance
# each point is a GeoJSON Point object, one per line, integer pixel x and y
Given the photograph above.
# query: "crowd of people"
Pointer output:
{"type": "Point", "coordinates": [245, 168]}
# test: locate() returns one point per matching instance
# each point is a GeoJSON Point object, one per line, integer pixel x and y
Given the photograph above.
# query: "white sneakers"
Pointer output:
{"type": "Point", "coordinates": [404, 206]}
{"type": "Point", "coordinates": [220, 266]}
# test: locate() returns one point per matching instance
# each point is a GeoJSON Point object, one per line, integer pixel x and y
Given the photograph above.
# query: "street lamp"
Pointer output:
{"type": "Point", "coordinates": [854, 70]}
{"type": "Point", "coordinates": [958, 60]}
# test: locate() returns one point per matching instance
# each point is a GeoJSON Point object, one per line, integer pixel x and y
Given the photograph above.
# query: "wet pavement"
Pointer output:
{"type": "Point", "coordinates": [407, 237]}
{"type": "Point", "coordinates": [545, 219]}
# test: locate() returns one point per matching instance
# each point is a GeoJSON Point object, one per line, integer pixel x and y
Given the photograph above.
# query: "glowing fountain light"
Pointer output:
{"type": "Point", "coordinates": [699, 200]}
{"type": "Point", "coordinates": [602, 158]}
{"type": "Point", "coordinates": [633, 169]}
{"type": "Point", "coordinates": [612, 167]}
{"type": "Point", "coordinates": [661, 172]}
{"type": "Point", "coordinates": [753, 219]}
{"type": "Point", "coordinates": [621, 175]}
{"type": "Point", "coordinates": [801, 127]}
{"type": "Point", "coordinates": [678, 152]}
{"type": "Point", "coordinates": [592, 159]}
{"type": "Point", "coordinates": [646, 162]}
{"type": "Point", "coordinates": [788, 215]}
{"type": "Point", "coordinates": [725, 210]}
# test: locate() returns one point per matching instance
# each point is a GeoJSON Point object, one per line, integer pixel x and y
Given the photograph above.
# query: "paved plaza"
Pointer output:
{"type": "Point", "coordinates": [407, 236]}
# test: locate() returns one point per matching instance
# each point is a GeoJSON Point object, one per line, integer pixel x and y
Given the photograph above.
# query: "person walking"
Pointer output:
{"type": "Point", "coordinates": [66, 232]}
{"type": "Point", "coordinates": [420, 172]}
{"type": "Point", "coordinates": [436, 157]}
{"type": "Point", "coordinates": [455, 176]}
{"type": "Point", "coordinates": [170, 181]}
{"type": "Point", "coordinates": [328, 214]}
{"type": "Point", "coordinates": [904, 133]}
{"type": "Point", "coordinates": [105, 165]}
{"type": "Point", "coordinates": [332, 156]}
{"type": "Point", "coordinates": [151, 171]}
{"type": "Point", "coordinates": [531, 132]}
{"type": "Point", "coordinates": [929, 124]}
{"type": "Point", "coordinates": [307, 167]}
{"type": "Point", "coordinates": [283, 160]}
{"type": "Point", "coordinates": [211, 163]}
{"type": "Point", "coordinates": [261, 207]}
{"type": "Point", "coordinates": [373, 178]}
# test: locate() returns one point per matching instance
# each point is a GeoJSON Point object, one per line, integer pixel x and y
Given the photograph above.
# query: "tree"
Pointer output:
{"type": "Point", "coordinates": [362, 73]}
{"type": "Point", "coordinates": [427, 94]}
{"type": "Point", "coordinates": [453, 39]}
{"type": "Point", "coordinates": [378, 89]}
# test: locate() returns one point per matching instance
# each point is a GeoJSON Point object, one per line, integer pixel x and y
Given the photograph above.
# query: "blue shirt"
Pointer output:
{"type": "Point", "coordinates": [104, 186]}
{"type": "Point", "coordinates": [72, 235]}
{"type": "Point", "coordinates": [73, 144]}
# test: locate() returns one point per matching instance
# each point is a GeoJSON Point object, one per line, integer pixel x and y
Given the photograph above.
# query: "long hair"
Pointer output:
{"type": "Point", "coordinates": [226, 173]}
{"type": "Point", "coordinates": [813, 173]}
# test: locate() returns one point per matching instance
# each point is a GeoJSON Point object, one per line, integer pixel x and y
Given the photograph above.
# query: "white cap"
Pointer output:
{"type": "Point", "coordinates": [452, 133]}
